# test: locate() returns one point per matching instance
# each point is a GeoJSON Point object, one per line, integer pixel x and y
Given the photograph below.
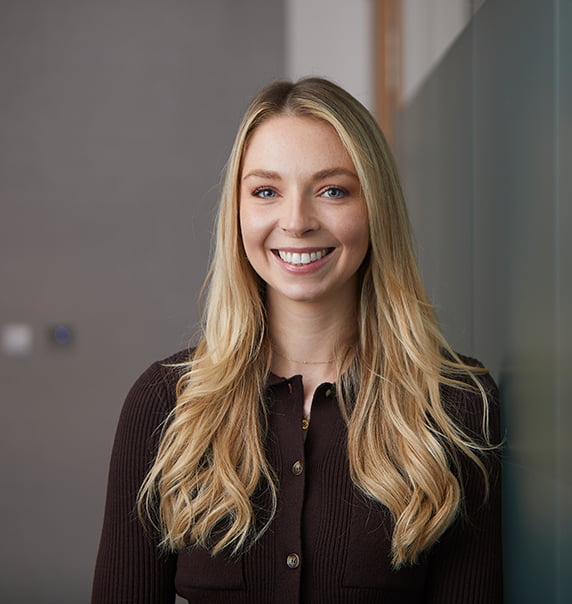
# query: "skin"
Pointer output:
{"type": "Point", "coordinates": [300, 195]}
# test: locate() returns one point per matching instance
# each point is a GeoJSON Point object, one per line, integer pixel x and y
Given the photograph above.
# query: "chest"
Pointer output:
{"type": "Point", "coordinates": [327, 543]}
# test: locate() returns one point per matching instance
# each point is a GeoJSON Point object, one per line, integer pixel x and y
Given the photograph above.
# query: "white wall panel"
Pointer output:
{"type": "Point", "coordinates": [332, 38]}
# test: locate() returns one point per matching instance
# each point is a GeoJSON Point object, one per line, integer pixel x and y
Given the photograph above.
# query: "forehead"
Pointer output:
{"type": "Point", "coordinates": [301, 141]}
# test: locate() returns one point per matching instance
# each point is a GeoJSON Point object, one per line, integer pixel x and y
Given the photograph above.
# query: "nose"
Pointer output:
{"type": "Point", "coordinates": [299, 216]}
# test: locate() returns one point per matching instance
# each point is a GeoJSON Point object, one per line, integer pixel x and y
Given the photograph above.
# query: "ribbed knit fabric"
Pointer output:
{"type": "Point", "coordinates": [327, 543]}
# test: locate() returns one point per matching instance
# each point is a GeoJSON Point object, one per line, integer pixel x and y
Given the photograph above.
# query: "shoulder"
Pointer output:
{"type": "Point", "coordinates": [161, 375]}
{"type": "Point", "coordinates": [153, 395]}
{"type": "Point", "coordinates": [475, 370]}
{"type": "Point", "coordinates": [474, 403]}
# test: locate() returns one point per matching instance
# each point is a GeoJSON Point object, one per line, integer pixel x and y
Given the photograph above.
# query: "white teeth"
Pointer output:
{"type": "Point", "coordinates": [301, 258]}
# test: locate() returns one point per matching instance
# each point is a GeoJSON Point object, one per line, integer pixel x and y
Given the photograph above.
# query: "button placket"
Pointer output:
{"type": "Point", "coordinates": [287, 412]}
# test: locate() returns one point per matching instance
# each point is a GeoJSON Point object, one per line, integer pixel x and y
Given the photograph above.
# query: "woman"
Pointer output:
{"type": "Point", "coordinates": [322, 443]}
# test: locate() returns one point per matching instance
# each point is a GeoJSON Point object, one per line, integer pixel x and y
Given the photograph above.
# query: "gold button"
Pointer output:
{"type": "Point", "coordinates": [329, 392]}
{"type": "Point", "coordinates": [297, 468]}
{"type": "Point", "coordinates": [305, 424]}
{"type": "Point", "coordinates": [293, 560]}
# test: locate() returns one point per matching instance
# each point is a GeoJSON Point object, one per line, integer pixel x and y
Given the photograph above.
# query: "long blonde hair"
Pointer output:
{"type": "Point", "coordinates": [403, 447]}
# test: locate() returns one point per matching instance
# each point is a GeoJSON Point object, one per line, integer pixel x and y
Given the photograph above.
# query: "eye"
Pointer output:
{"type": "Point", "coordinates": [334, 193]}
{"type": "Point", "coordinates": [264, 193]}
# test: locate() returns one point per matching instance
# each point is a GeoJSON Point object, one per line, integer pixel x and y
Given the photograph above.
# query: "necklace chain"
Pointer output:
{"type": "Point", "coordinates": [304, 362]}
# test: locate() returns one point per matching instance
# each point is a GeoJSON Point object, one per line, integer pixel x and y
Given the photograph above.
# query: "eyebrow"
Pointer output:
{"type": "Point", "coordinates": [268, 174]}
{"type": "Point", "coordinates": [327, 173]}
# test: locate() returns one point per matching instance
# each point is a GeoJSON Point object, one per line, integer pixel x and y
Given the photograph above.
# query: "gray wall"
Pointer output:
{"type": "Point", "coordinates": [115, 122]}
{"type": "Point", "coordinates": [485, 150]}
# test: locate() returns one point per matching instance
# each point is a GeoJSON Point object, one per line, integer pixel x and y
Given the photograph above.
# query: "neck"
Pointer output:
{"type": "Point", "coordinates": [306, 336]}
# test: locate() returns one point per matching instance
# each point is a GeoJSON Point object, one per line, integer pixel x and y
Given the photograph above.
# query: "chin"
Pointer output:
{"type": "Point", "coordinates": [302, 296]}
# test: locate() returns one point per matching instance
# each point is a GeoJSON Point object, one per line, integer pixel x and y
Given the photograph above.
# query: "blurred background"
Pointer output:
{"type": "Point", "coordinates": [116, 119]}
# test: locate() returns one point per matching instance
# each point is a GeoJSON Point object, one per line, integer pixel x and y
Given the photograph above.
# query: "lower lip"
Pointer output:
{"type": "Point", "coordinates": [303, 269]}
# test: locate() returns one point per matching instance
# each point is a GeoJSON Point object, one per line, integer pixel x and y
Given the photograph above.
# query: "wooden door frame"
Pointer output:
{"type": "Point", "coordinates": [388, 61]}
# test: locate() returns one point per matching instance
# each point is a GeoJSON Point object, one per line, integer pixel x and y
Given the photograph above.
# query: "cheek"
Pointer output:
{"type": "Point", "coordinates": [356, 232]}
{"type": "Point", "coordinates": [252, 230]}
{"type": "Point", "coordinates": [360, 247]}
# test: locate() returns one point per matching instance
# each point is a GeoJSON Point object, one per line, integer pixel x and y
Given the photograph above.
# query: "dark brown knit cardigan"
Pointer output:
{"type": "Point", "coordinates": [327, 544]}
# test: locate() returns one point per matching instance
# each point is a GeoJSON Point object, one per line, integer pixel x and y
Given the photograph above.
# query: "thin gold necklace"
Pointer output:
{"type": "Point", "coordinates": [304, 362]}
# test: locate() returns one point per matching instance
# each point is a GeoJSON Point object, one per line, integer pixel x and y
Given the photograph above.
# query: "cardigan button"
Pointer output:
{"type": "Point", "coordinates": [329, 393]}
{"type": "Point", "coordinates": [297, 468]}
{"type": "Point", "coordinates": [293, 561]}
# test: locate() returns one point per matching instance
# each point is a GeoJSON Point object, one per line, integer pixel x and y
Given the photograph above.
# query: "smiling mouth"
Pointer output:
{"type": "Point", "coordinates": [300, 258]}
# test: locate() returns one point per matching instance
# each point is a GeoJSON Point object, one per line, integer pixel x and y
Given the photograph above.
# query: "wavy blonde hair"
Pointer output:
{"type": "Point", "coordinates": [403, 447]}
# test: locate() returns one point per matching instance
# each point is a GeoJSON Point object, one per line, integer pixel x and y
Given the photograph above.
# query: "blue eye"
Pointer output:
{"type": "Point", "coordinates": [334, 193]}
{"type": "Point", "coordinates": [265, 193]}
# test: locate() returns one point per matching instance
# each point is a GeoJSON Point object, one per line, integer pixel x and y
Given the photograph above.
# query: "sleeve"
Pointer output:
{"type": "Point", "coordinates": [466, 565]}
{"type": "Point", "coordinates": [129, 568]}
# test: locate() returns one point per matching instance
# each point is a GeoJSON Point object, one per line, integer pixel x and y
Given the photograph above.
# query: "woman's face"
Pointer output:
{"type": "Point", "coordinates": [303, 218]}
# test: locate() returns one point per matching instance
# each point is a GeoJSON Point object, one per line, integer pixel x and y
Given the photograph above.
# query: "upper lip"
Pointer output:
{"type": "Point", "coordinates": [302, 250]}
